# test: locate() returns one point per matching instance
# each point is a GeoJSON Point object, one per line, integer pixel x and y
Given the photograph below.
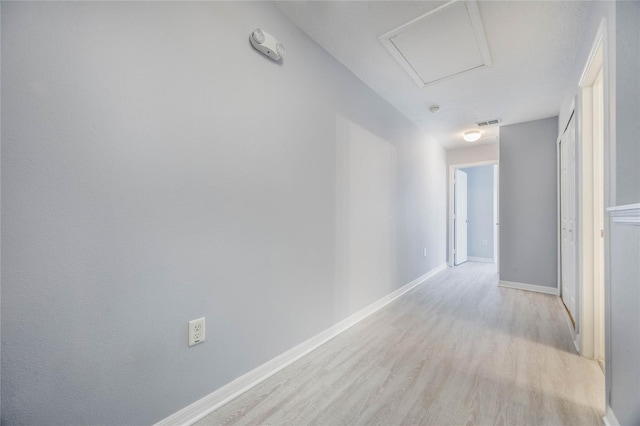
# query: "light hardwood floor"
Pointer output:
{"type": "Point", "coordinates": [456, 350]}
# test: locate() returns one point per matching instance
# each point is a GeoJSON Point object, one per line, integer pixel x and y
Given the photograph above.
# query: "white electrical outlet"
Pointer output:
{"type": "Point", "coordinates": [424, 252]}
{"type": "Point", "coordinates": [196, 331]}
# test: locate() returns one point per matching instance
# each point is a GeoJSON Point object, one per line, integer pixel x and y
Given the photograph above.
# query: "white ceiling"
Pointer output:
{"type": "Point", "coordinates": [532, 46]}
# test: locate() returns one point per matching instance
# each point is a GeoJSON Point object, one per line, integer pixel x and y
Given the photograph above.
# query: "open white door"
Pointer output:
{"type": "Point", "coordinates": [568, 194]}
{"type": "Point", "coordinates": [460, 217]}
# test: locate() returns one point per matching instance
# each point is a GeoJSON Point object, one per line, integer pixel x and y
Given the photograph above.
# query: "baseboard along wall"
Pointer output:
{"type": "Point", "coordinates": [610, 419]}
{"type": "Point", "coordinates": [232, 390]}
{"type": "Point", "coordinates": [480, 259]}
{"type": "Point", "coordinates": [528, 287]}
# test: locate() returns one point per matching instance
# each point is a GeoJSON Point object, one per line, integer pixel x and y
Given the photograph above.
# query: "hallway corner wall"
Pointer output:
{"type": "Point", "coordinates": [528, 203]}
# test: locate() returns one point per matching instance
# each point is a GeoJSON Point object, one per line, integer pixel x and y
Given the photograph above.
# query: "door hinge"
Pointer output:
{"type": "Point", "coordinates": [602, 233]}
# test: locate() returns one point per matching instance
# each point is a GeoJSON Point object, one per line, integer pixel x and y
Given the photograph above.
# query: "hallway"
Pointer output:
{"type": "Point", "coordinates": [455, 350]}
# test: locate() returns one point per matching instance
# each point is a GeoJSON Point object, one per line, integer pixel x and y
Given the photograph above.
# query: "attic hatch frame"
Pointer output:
{"type": "Point", "coordinates": [478, 31]}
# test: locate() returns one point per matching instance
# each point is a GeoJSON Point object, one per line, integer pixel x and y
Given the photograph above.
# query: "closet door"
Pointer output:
{"type": "Point", "coordinates": [568, 218]}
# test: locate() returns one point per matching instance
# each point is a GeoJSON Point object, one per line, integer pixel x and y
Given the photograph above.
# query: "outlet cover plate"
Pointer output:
{"type": "Point", "coordinates": [196, 331]}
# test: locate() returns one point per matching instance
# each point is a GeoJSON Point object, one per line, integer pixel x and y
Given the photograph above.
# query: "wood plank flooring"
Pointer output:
{"type": "Point", "coordinates": [456, 350]}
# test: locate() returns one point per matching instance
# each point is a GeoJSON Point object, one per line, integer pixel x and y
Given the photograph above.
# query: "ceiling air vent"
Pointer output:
{"type": "Point", "coordinates": [488, 122]}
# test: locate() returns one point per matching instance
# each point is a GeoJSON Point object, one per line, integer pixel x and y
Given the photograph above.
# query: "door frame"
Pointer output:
{"type": "Point", "coordinates": [596, 62]}
{"type": "Point", "coordinates": [451, 238]}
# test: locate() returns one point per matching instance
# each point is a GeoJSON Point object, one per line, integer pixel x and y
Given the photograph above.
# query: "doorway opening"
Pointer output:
{"type": "Point", "coordinates": [473, 212]}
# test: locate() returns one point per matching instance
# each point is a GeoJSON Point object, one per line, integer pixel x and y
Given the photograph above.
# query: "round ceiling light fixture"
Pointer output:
{"type": "Point", "coordinates": [472, 135]}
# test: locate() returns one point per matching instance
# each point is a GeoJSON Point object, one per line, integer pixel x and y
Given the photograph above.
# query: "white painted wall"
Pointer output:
{"type": "Point", "coordinates": [156, 169]}
{"type": "Point", "coordinates": [473, 154]}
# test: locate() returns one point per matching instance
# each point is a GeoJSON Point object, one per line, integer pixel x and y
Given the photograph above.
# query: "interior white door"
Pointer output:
{"type": "Point", "coordinates": [460, 217]}
{"type": "Point", "coordinates": [568, 216]}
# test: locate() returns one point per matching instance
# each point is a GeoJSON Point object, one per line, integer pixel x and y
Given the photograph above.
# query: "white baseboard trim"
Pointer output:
{"type": "Point", "coordinates": [232, 390]}
{"type": "Point", "coordinates": [610, 419]}
{"type": "Point", "coordinates": [528, 287]}
{"type": "Point", "coordinates": [480, 259]}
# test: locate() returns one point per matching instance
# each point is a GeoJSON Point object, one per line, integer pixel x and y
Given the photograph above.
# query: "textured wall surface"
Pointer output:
{"type": "Point", "coordinates": [157, 169]}
{"type": "Point", "coordinates": [528, 203]}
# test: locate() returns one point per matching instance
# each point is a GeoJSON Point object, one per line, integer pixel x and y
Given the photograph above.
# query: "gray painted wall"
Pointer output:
{"type": "Point", "coordinates": [624, 344]}
{"type": "Point", "coordinates": [624, 350]}
{"type": "Point", "coordinates": [627, 104]}
{"type": "Point", "coordinates": [480, 211]}
{"type": "Point", "coordinates": [528, 203]}
{"type": "Point", "coordinates": [0, 228]}
{"type": "Point", "coordinates": [156, 169]}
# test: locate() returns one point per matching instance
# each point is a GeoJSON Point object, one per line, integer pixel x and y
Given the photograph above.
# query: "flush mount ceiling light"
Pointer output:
{"type": "Point", "coordinates": [434, 109]}
{"type": "Point", "coordinates": [267, 44]}
{"type": "Point", "coordinates": [472, 135]}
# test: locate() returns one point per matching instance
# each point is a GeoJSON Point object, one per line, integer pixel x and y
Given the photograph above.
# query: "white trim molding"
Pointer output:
{"type": "Point", "coordinates": [480, 259]}
{"type": "Point", "coordinates": [610, 419]}
{"type": "Point", "coordinates": [628, 214]}
{"type": "Point", "coordinates": [528, 287]}
{"type": "Point", "coordinates": [232, 390]}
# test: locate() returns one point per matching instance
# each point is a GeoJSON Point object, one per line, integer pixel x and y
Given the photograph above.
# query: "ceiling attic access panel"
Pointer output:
{"type": "Point", "coordinates": [441, 44]}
